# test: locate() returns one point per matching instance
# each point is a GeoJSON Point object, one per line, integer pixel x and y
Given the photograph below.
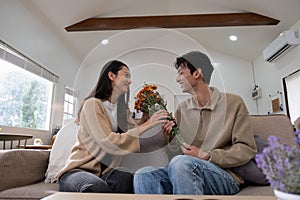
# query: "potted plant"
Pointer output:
{"type": "Point", "coordinates": [281, 165]}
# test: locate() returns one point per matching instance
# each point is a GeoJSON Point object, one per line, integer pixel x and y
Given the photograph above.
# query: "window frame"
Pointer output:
{"type": "Point", "coordinates": [73, 93]}
{"type": "Point", "coordinates": [18, 59]}
{"type": "Point", "coordinates": [285, 89]}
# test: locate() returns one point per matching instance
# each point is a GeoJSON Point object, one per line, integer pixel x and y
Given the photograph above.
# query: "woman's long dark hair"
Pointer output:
{"type": "Point", "coordinates": [103, 91]}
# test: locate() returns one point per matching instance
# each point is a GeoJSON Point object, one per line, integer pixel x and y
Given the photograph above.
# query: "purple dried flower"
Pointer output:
{"type": "Point", "coordinates": [297, 139]}
{"type": "Point", "coordinates": [281, 164]}
{"type": "Point", "coordinates": [273, 140]}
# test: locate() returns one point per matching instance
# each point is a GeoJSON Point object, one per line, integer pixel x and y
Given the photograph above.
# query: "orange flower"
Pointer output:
{"type": "Point", "coordinates": [147, 97]}
{"type": "Point", "coordinates": [148, 101]}
{"type": "Point", "coordinates": [153, 87]}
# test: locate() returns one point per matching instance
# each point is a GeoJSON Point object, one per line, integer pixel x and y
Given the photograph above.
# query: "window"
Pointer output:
{"type": "Point", "coordinates": [291, 84]}
{"type": "Point", "coordinates": [26, 91]}
{"type": "Point", "coordinates": [69, 103]}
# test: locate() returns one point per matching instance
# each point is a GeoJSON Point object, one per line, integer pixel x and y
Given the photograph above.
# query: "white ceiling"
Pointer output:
{"type": "Point", "coordinates": [58, 14]}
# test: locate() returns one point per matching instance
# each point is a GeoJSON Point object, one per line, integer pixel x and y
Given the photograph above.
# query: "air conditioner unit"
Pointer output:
{"type": "Point", "coordinates": [280, 46]}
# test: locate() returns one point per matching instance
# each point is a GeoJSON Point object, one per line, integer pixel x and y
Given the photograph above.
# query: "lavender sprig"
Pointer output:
{"type": "Point", "coordinates": [281, 164]}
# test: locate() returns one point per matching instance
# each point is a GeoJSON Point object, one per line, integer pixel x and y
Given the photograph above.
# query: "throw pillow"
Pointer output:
{"type": "Point", "coordinates": [250, 172]}
{"type": "Point", "coordinates": [61, 150]}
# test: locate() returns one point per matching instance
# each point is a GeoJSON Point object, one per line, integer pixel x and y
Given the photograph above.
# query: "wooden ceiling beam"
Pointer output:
{"type": "Point", "coordinates": [173, 21]}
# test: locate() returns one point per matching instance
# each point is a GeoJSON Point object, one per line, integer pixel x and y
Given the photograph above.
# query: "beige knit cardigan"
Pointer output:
{"type": "Point", "coordinates": [95, 140]}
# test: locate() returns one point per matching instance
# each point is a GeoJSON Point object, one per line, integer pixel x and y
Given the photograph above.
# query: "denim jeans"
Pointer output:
{"type": "Point", "coordinates": [76, 180]}
{"type": "Point", "coordinates": [185, 175]}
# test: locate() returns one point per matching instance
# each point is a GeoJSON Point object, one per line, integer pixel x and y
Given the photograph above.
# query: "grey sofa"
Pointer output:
{"type": "Point", "coordinates": [22, 171]}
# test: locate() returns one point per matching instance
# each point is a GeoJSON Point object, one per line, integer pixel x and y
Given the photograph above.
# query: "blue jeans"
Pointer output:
{"type": "Point", "coordinates": [185, 175]}
{"type": "Point", "coordinates": [76, 180]}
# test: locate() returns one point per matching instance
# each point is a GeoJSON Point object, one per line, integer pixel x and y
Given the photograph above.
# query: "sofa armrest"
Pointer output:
{"type": "Point", "coordinates": [19, 167]}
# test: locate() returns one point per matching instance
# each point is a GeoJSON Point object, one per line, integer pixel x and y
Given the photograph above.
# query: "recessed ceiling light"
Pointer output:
{"type": "Point", "coordinates": [105, 42]}
{"type": "Point", "coordinates": [233, 38]}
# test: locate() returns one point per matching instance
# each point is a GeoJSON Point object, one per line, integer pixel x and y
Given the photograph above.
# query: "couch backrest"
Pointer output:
{"type": "Point", "coordinates": [276, 124]}
{"type": "Point", "coordinates": [19, 167]}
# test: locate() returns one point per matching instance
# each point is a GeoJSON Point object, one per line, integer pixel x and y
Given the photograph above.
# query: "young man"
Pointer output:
{"type": "Point", "coordinates": [217, 133]}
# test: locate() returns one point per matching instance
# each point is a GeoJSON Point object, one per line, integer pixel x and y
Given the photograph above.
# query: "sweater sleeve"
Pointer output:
{"type": "Point", "coordinates": [243, 146]}
{"type": "Point", "coordinates": [96, 131]}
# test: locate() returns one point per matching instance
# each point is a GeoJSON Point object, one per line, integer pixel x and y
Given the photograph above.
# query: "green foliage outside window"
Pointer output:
{"type": "Point", "coordinates": [24, 99]}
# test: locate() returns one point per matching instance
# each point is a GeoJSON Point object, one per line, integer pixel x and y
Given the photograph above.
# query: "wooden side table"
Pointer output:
{"type": "Point", "coordinates": [11, 137]}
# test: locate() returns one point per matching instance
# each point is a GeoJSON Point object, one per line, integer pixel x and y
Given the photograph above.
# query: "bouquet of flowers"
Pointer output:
{"type": "Point", "coordinates": [281, 164]}
{"type": "Point", "coordinates": [148, 100]}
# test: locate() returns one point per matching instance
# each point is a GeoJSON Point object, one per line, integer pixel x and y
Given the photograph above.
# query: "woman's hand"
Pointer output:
{"type": "Point", "coordinates": [191, 150]}
{"type": "Point", "coordinates": [158, 117]}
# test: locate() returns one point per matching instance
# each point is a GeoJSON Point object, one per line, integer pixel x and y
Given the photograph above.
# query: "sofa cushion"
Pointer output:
{"type": "Point", "coordinates": [276, 124]}
{"type": "Point", "coordinates": [257, 191]}
{"type": "Point", "coordinates": [34, 191]}
{"type": "Point", "coordinates": [61, 150]}
{"type": "Point", "coordinates": [22, 167]}
{"type": "Point", "coordinates": [249, 171]}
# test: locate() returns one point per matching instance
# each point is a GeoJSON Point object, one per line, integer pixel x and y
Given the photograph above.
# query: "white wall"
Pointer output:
{"type": "Point", "coordinates": [234, 75]}
{"type": "Point", "coordinates": [269, 75]}
{"type": "Point", "coordinates": [152, 61]}
{"type": "Point", "coordinates": [150, 56]}
{"type": "Point", "coordinates": [22, 29]}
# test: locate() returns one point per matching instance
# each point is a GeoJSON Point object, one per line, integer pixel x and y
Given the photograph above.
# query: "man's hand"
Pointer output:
{"type": "Point", "coordinates": [167, 128]}
{"type": "Point", "coordinates": [194, 151]}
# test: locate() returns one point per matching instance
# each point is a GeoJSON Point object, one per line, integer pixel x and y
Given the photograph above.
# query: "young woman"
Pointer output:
{"type": "Point", "coordinates": [103, 137]}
